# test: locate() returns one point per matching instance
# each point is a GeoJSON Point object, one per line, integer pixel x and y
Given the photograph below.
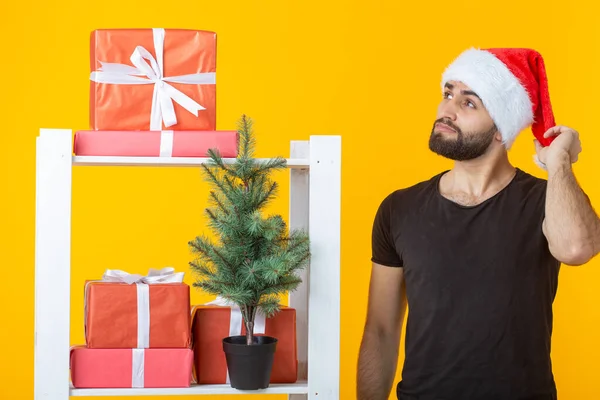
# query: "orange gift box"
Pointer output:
{"type": "Point", "coordinates": [212, 323]}
{"type": "Point", "coordinates": [153, 79]}
{"type": "Point", "coordinates": [137, 315]}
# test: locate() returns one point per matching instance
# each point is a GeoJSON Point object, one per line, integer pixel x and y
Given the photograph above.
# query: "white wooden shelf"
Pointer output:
{"type": "Point", "coordinates": [314, 204]}
{"type": "Point", "coordinates": [300, 388]}
{"type": "Point", "coordinates": [292, 163]}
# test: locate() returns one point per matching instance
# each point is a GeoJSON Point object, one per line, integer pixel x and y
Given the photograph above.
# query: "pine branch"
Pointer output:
{"type": "Point", "coordinates": [300, 263]}
{"type": "Point", "coordinates": [275, 227]}
{"type": "Point", "coordinates": [296, 240]}
{"type": "Point", "coordinates": [210, 253]}
{"type": "Point", "coordinates": [213, 287]}
{"type": "Point", "coordinates": [250, 276]}
{"type": "Point", "coordinates": [272, 270]}
{"type": "Point", "coordinates": [269, 305]}
{"type": "Point", "coordinates": [244, 169]}
{"type": "Point", "coordinates": [240, 297]}
{"type": "Point", "coordinates": [224, 260]}
{"type": "Point", "coordinates": [256, 187]}
{"type": "Point", "coordinates": [217, 160]}
{"type": "Point", "coordinates": [228, 225]}
{"type": "Point", "coordinates": [219, 202]}
{"type": "Point", "coordinates": [212, 178]}
{"type": "Point", "coordinates": [255, 224]}
{"type": "Point", "coordinates": [213, 218]}
{"type": "Point", "coordinates": [287, 284]}
{"type": "Point", "coordinates": [216, 283]}
{"type": "Point", "coordinates": [265, 197]}
{"type": "Point", "coordinates": [273, 164]}
{"type": "Point", "coordinates": [204, 270]}
{"type": "Point", "coordinates": [214, 222]}
{"type": "Point", "coordinates": [247, 141]}
{"type": "Point", "coordinates": [202, 247]}
{"type": "Point", "coordinates": [230, 185]}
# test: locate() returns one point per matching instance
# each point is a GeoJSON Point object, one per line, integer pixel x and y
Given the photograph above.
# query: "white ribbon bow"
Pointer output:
{"type": "Point", "coordinates": [165, 275]}
{"type": "Point", "coordinates": [151, 73]}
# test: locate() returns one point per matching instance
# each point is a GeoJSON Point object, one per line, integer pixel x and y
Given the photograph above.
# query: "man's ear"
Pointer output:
{"type": "Point", "coordinates": [498, 136]}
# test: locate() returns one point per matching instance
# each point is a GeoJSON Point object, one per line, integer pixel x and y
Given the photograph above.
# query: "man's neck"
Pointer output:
{"type": "Point", "coordinates": [472, 182]}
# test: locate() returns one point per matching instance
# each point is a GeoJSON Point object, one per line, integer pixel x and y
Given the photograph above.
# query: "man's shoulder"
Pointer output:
{"type": "Point", "coordinates": [530, 184]}
{"type": "Point", "coordinates": [528, 178]}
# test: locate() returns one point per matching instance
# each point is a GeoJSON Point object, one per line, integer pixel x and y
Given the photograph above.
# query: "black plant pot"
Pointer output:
{"type": "Point", "coordinates": [249, 366]}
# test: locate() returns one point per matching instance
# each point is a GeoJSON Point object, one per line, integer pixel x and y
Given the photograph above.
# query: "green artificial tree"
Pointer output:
{"type": "Point", "coordinates": [255, 258]}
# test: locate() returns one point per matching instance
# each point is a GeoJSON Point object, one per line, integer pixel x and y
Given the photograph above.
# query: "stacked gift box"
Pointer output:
{"type": "Point", "coordinates": [137, 332]}
{"type": "Point", "coordinates": [153, 94]}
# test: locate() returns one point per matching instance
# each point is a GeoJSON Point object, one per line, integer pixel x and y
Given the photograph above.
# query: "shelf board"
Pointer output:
{"type": "Point", "coordinates": [294, 388]}
{"type": "Point", "coordinates": [293, 163]}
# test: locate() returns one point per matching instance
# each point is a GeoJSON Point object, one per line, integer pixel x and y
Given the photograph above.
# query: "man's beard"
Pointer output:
{"type": "Point", "coordinates": [462, 147]}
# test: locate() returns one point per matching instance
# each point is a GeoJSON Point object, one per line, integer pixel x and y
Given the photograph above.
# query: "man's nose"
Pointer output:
{"type": "Point", "coordinates": [449, 110]}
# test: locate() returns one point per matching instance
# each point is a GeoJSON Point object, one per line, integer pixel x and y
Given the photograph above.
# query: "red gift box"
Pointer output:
{"type": "Point", "coordinates": [127, 368]}
{"type": "Point", "coordinates": [212, 323]}
{"type": "Point", "coordinates": [129, 313]}
{"type": "Point", "coordinates": [152, 79]}
{"type": "Point", "coordinates": [155, 143]}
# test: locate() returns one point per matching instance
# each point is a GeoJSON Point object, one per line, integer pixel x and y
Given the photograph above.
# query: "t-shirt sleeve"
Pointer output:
{"type": "Point", "coordinates": [383, 250]}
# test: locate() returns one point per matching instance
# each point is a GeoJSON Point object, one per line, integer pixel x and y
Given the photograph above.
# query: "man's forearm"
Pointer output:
{"type": "Point", "coordinates": [571, 225]}
{"type": "Point", "coordinates": [377, 363]}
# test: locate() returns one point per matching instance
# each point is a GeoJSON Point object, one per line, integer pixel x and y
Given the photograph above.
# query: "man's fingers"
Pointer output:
{"type": "Point", "coordinates": [558, 129]}
{"type": "Point", "coordinates": [555, 130]}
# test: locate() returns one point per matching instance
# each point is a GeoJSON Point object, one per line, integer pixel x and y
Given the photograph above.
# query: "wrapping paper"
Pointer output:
{"type": "Point", "coordinates": [132, 311]}
{"type": "Point", "coordinates": [155, 143]}
{"type": "Point", "coordinates": [152, 79]}
{"type": "Point", "coordinates": [211, 324]}
{"type": "Point", "coordinates": [131, 368]}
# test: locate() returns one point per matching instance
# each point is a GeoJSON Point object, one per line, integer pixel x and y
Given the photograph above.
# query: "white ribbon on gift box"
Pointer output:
{"type": "Point", "coordinates": [137, 365]}
{"type": "Point", "coordinates": [137, 368]}
{"type": "Point", "coordinates": [166, 143]}
{"type": "Point", "coordinates": [143, 74]}
{"type": "Point", "coordinates": [165, 275]}
{"type": "Point", "coordinates": [236, 320]}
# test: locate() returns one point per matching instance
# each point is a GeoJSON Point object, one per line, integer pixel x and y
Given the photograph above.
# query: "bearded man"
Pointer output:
{"type": "Point", "coordinates": [474, 252]}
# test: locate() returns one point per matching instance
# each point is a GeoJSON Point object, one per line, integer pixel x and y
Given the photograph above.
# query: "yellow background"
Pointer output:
{"type": "Point", "coordinates": [368, 71]}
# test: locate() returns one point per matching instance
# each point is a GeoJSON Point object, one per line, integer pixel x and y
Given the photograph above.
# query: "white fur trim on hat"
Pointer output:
{"type": "Point", "coordinates": [505, 99]}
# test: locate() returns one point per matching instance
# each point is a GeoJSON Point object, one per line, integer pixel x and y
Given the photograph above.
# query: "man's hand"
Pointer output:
{"type": "Point", "coordinates": [565, 147]}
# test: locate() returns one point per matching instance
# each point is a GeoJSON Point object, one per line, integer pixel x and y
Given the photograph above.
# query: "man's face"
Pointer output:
{"type": "Point", "coordinates": [463, 129]}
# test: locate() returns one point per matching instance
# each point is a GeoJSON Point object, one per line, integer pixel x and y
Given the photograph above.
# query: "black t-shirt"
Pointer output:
{"type": "Point", "coordinates": [480, 283]}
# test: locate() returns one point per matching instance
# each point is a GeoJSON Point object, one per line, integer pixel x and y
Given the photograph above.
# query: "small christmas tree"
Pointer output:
{"type": "Point", "coordinates": [255, 259]}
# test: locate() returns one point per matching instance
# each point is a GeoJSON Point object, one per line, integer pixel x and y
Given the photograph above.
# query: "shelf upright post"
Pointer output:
{"type": "Point", "coordinates": [324, 281]}
{"type": "Point", "coordinates": [299, 216]}
{"type": "Point", "coordinates": [52, 264]}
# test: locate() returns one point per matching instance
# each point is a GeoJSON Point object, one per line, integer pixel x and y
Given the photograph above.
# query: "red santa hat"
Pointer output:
{"type": "Point", "coordinates": [512, 85]}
